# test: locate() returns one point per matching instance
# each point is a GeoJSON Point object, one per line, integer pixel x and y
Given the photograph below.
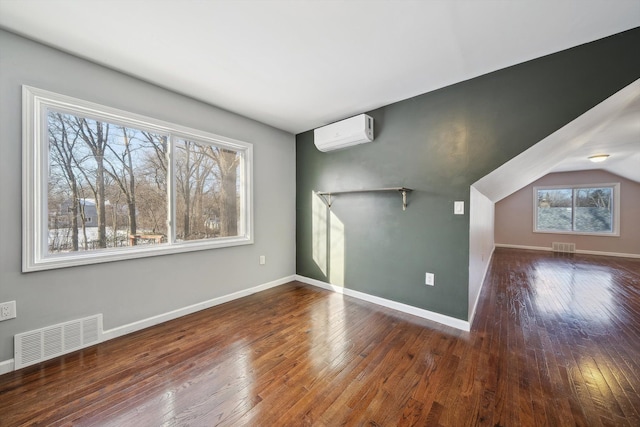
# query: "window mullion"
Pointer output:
{"type": "Point", "coordinates": [573, 209]}
{"type": "Point", "coordinates": [171, 190]}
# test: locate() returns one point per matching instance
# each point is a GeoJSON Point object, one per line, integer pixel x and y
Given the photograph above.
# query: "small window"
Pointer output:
{"type": "Point", "coordinates": [592, 209]}
{"type": "Point", "coordinates": [102, 184]}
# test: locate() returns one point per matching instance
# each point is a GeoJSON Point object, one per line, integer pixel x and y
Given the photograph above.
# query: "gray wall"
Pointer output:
{"type": "Point", "coordinates": [130, 291]}
{"type": "Point", "coordinates": [439, 144]}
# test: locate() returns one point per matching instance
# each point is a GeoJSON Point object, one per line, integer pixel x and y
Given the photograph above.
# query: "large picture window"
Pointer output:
{"type": "Point", "coordinates": [592, 209]}
{"type": "Point", "coordinates": [102, 184]}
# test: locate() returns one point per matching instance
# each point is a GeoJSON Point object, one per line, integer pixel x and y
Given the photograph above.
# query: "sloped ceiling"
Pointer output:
{"type": "Point", "coordinates": [611, 127]}
{"type": "Point", "coordinates": [297, 65]}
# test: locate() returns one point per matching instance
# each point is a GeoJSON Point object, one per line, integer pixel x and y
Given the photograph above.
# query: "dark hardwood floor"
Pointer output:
{"type": "Point", "coordinates": [555, 342]}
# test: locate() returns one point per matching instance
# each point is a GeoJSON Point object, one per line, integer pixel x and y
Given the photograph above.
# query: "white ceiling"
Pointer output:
{"type": "Point", "coordinates": [300, 64]}
{"type": "Point", "coordinates": [617, 134]}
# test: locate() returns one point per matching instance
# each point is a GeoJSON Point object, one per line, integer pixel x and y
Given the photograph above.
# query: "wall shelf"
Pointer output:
{"type": "Point", "coordinates": [326, 195]}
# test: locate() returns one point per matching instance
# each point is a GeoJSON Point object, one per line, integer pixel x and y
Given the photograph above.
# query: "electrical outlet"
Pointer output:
{"type": "Point", "coordinates": [429, 279]}
{"type": "Point", "coordinates": [7, 310]}
{"type": "Point", "coordinates": [263, 260]}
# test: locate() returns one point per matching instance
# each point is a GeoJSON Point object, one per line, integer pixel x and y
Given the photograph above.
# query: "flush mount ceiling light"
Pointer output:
{"type": "Point", "coordinates": [598, 158]}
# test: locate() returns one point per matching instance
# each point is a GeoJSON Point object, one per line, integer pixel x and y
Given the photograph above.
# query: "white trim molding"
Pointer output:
{"type": "Point", "coordinates": [394, 305]}
{"type": "Point", "coordinates": [578, 251]}
{"type": "Point", "coordinates": [7, 366]}
{"type": "Point", "coordinates": [484, 277]}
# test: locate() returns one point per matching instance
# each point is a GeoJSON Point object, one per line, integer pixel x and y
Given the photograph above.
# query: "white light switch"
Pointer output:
{"type": "Point", "coordinates": [458, 208]}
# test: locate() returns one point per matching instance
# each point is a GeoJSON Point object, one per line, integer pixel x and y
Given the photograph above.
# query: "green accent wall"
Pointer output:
{"type": "Point", "coordinates": [439, 143]}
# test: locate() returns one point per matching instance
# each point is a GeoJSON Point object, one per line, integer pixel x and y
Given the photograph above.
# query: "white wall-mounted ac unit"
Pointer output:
{"type": "Point", "coordinates": [345, 133]}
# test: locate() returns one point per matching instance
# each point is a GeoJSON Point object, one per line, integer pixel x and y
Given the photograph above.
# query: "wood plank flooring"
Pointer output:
{"type": "Point", "coordinates": [555, 342]}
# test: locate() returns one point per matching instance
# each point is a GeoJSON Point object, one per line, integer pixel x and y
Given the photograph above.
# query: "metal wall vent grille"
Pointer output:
{"type": "Point", "coordinates": [46, 343]}
{"type": "Point", "coordinates": [565, 248]}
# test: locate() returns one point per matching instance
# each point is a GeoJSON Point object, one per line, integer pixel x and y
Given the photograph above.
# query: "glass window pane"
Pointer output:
{"type": "Point", "coordinates": [207, 191]}
{"type": "Point", "coordinates": [107, 185]}
{"type": "Point", "coordinates": [554, 209]}
{"type": "Point", "coordinates": [594, 210]}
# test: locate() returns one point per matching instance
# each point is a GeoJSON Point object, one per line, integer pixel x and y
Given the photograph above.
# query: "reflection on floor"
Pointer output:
{"type": "Point", "coordinates": [556, 341]}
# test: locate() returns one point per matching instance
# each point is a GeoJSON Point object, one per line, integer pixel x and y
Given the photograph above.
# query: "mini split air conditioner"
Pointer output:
{"type": "Point", "coordinates": [345, 133]}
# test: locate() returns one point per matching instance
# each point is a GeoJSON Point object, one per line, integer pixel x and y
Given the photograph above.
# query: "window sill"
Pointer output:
{"type": "Point", "coordinates": [109, 255]}
{"type": "Point", "coordinates": [577, 233]}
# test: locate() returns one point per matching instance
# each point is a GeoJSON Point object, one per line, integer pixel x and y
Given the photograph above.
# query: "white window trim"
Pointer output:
{"type": "Point", "coordinates": [34, 183]}
{"type": "Point", "coordinates": [616, 209]}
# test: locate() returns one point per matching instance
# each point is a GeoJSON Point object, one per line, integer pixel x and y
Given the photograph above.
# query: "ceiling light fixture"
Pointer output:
{"type": "Point", "coordinates": [598, 158]}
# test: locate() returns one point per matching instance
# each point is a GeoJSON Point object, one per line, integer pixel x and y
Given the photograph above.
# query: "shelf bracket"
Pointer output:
{"type": "Point", "coordinates": [404, 199]}
{"type": "Point", "coordinates": [326, 195]}
{"type": "Point", "coordinates": [327, 198]}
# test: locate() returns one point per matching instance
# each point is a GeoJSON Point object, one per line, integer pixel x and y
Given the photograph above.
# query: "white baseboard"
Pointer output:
{"type": "Point", "coordinates": [420, 312]}
{"type": "Point", "coordinates": [532, 248]}
{"type": "Point", "coordinates": [6, 366]}
{"type": "Point", "coordinates": [614, 254]}
{"type": "Point", "coordinates": [9, 365]}
{"type": "Point", "coordinates": [155, 320]}
{"type": "Point", "coordinates": [578, 251]}
{"type": "Point", "coordinates": [484, 276]}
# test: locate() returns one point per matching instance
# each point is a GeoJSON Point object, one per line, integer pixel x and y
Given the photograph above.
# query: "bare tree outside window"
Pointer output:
{"type": "Point", "coordinates": [206, 181]}
{"type": "Point", "coordinates": [102, 184]}
{"type": "Point", "coordinates": [593, 209]}
{"type": "Point", "coordinates": [113, 176]}
{"type": "Point", "coordinates": [118, 175]}
{"type": "Point", "coordinates": [577, 209]}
